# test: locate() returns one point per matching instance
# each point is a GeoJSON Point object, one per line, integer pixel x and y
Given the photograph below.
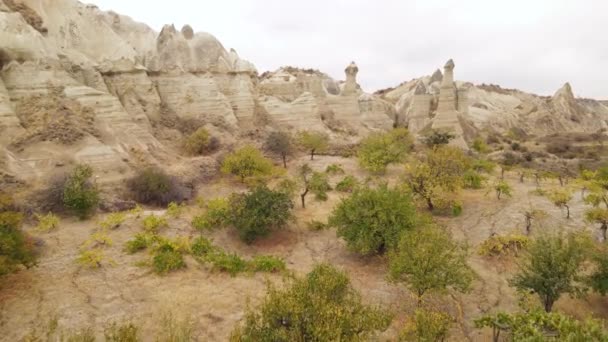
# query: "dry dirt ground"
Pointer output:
{"type": "Point", "coordinates": [79, 297]}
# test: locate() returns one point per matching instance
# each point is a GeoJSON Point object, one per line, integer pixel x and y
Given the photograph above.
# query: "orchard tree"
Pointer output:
{"type": "Point", "coordinates": [247, 162]}
{"type": "Point", "coordinates": [428, 260]}
{"type": "Point", "coordinates": [439, 173]}
{"type": "Point", "coordinates": [379, 150]}
{"type": "Point", "coordinates": [536, 325]}
{"type": "Point", "coordinates": [552, 267]}
{"type": "Point", "coordinates": [315, 142]}
{"type": "Point", "coordinates": [533, 214]}
{"type": "Point", "coordinates": [257, 213]}
{"type": "Point", "coordinates": [312, 181]}
{"type": "Point", "coordinates": [502, 188]}
{"type": "Point", "coordinates": [560, 198]}
{"type": "Point", "coordinates": [372, 220]}
{"type": "Point", "coordinates": [281, 144]}
{"type": "Point", "coordinates": [599, 216]}
{"type": "Point", "coordinates": [323, 306]}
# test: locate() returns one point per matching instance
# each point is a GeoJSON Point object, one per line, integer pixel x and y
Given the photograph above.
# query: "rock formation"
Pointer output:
{"type": "Point", "coordinates": [447, 117]}
{"type": "Point", "coordinates": [123, 95]}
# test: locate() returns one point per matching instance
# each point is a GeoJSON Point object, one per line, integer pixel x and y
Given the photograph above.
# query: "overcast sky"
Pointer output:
{"type": "Point", "coordinates": [533, 45]}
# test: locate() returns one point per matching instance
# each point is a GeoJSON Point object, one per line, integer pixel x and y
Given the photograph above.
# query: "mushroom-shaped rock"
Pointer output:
{"type": "Point", "coordinates": [350, 86]}
{"type": "Point", "coordinates": [448, 75]}
{"type": "Point", "coordinates": [187, 32]}
{"type": "Point", "coordinates": [420, 88]}
{"type": "Point", "coordinates": [437, 76]}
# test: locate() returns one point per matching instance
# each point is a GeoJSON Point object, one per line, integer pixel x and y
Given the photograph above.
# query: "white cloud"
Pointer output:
{"type": "Point", "coordinates": [531, 45]}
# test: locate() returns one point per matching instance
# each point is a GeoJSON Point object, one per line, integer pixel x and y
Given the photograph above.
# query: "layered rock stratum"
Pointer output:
{"type": "Point", "coordinates": [78, 84]}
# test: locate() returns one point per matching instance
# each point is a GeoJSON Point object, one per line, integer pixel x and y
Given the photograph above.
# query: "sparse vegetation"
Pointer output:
{"type": "Point", "coordinates": [16, 247]}
{"type": "Point", "coordinates": [167, 258]}
{"type": "Point", "coordinates": [217, 215]}
{"type": "Point", "coordinates": [499, 245]}
{"type": "Point", "coordinates": [334, 169]}
{"type": "Point", "coordinates": [427, 325]}
{"type": "Point", "coordinates": [113, 221]}
{"type": "Point", "coordinates": [437, 138]}
{"type": "Point", "coordinates": [200, 143]}
{"type": "Point", "coordinates": [561, 198]}
{"type": "Point", "coordinates": [347, 184]}
{"type": "Point", "coordinates": [153, 223]}
{"type": "Point", "coordinates": [47, 223]}
{"type": "Point", "coordinates": [502, 188]}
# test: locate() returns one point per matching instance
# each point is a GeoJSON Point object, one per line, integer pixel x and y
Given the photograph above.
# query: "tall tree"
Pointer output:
{"type": "Point", "coordinates": [314, 142]}
{"type": "Point", "coordinates": [281, 144]}
{"type": "Point", "coordinates": [552, 267]}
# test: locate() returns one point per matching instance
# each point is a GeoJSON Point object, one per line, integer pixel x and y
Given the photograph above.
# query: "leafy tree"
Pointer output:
{"type": "Point", "coordinates": [429, 260]}
{"type": "Point", "coordinates": [537, 325]}
{"type": "Point", "coordinates": [379, 150]}
{"type": "Point", "coordinates": [552, 267]}
{"type": "Point", "coordinates": [600, 216]}
{"type": "Point", "coordinates": [371, 220]}
{"type": "Point", "coordinates": [533, 214]}
{"type": "Point", "coordinates": [501, 187]}
{"type": "Point", "coordinates": [598, 280]}
{"type": "Point", "coordinates": [315, 182]}
{"type": "Point", "coordinates": [347, 184]}
{"type": "Point", "coordinates": [560, 198]}
{"type": "Point", "coordinates": [314, 142]}
{"type": "Point", "coordinates": [258, 212]}
{"type": "Point", "coordinates": [80, 194]}
{"type": "Point", "coordinates": [16, 247]}
{"type": "Point", "coordinates": [439, 173]}
{"type": "Point", "coordinates": [200, 142]}
{"type": "Point", "coordinates": [428, 326]}
{"type": "Point", "coordinates": [281, 144]}
{"type": "Point", "coordinates": [247, 162]}
{"type": "Point", "coordinates": [323, 306]}
{"type": "Point", "coordinates": [438, 138]}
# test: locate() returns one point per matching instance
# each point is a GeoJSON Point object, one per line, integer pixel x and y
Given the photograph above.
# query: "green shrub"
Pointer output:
{"type": "Point", "coordinates": [167, 258]}
{"type": "Point", "coordinates": [314, 142]}
{"type": "Point", "coordinates": [153, 223]}
{"type": "Point", "coordinates": [113, 221]}
{"type": "Point", "coordinates": [438, 137]}
{"type": "Point", "coordinates": [201, 247]}
{"type": "Point", "coordinates": [16, 249]}
{"type": "Point", "coordinates": [483, 165]}
{"type": "Point", "coordinates": [371, 220]}
{"type": "Point", "coordinates": [140, 242]}
{"type": "Point", "coordinates": [348, 184]}
{"type": "Point", "coordinates": [91, 258]}
{"type": "Point", "coordinates": [480, 146]}
{"type": "Point", "coordinates": [428, 326]}
{"type": "Point", "coordinates": [227, 262]}
{"type": "Point", "coordinates": [153, 186]}
{"type": "Point", "coordinates": [200, 143]}
{"type": "Point", "coordinates": [125, 332]}
{"type": "Point", "coordinates": [323, 306]}
{"type": "Point", "coordinates": [319, 185]}
{"type": "Point", "coordinates": [267, 263]}
{"type": "Point", "coordinates": [334, 169]}
{"type": "Point", "coordinates": [473, 180]}
{"type": "Point", "coordinates": [47, 223]}
{"type": "Point", "coordinates": [259, 212]}
{"type": "Point", "coordinates": [317, 225]}
{"type": "Point", "coordinates": [247, 162]}
{"type": "Point", "coordinates": [80, 194]}
{"type": "Point", "coordinates": [175, 210]}
{"type": "Point", "coordinates": [216, 216]}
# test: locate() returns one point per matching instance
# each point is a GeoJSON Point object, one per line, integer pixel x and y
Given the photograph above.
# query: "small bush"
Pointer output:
{"type": "Point", "coordinates": [317, 225]}
{"type": "Point", "coordinates": [91, 258]}
{"type": "Point", "coordinates": [175, 327]}
{"type": "Point", "coordinates": [47, 223]}
{"type": "Point", "coordinates": [227, 262]}
{"type": "Point", "coordinates": [347, 184]}
{"type": "Point", "coordinates": [167, 258]}
{"type": "Point", "coordinates": [267, 263]}
{"type": "Point", "coordinates": [319, 185]}
{"type": "Point", "coordinates": [480, 146]}
{"type": "Point", "coordinates": [288, 187]}
{"type": "Point", "coordinates": [427, 326]}
{"type": "Point", "coordinates": [126, 332]}
{"type": "Point", "coordinates": [174, 210]}
{"type": "Point", "coordinates": [153, 223]}
{"type": "Point", "coordinates": [473, 180]}
{"type": "Point", "coordinates": [80, 194]}
{"type": "Point", "coordinates": [503, 245]}
{"type": "Point", "coordinates": [334, 169]}
{"type": "Point", "coordinates": [140, 242]}
{"type": "Point", "coordinates": [436, 138]}
{"type": "Point", "coordinates": [200, 143]}
{"type": "Point", "coordinates": [113, 221]}
{"type": "Point", "coordinates": [201, 247]}
{"type": "Point", "coordinates": [216, 216]}
{"type": "Point", "coordinates": [154, 186]}
{"type": "Point", "coordinates": [483, 165]}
